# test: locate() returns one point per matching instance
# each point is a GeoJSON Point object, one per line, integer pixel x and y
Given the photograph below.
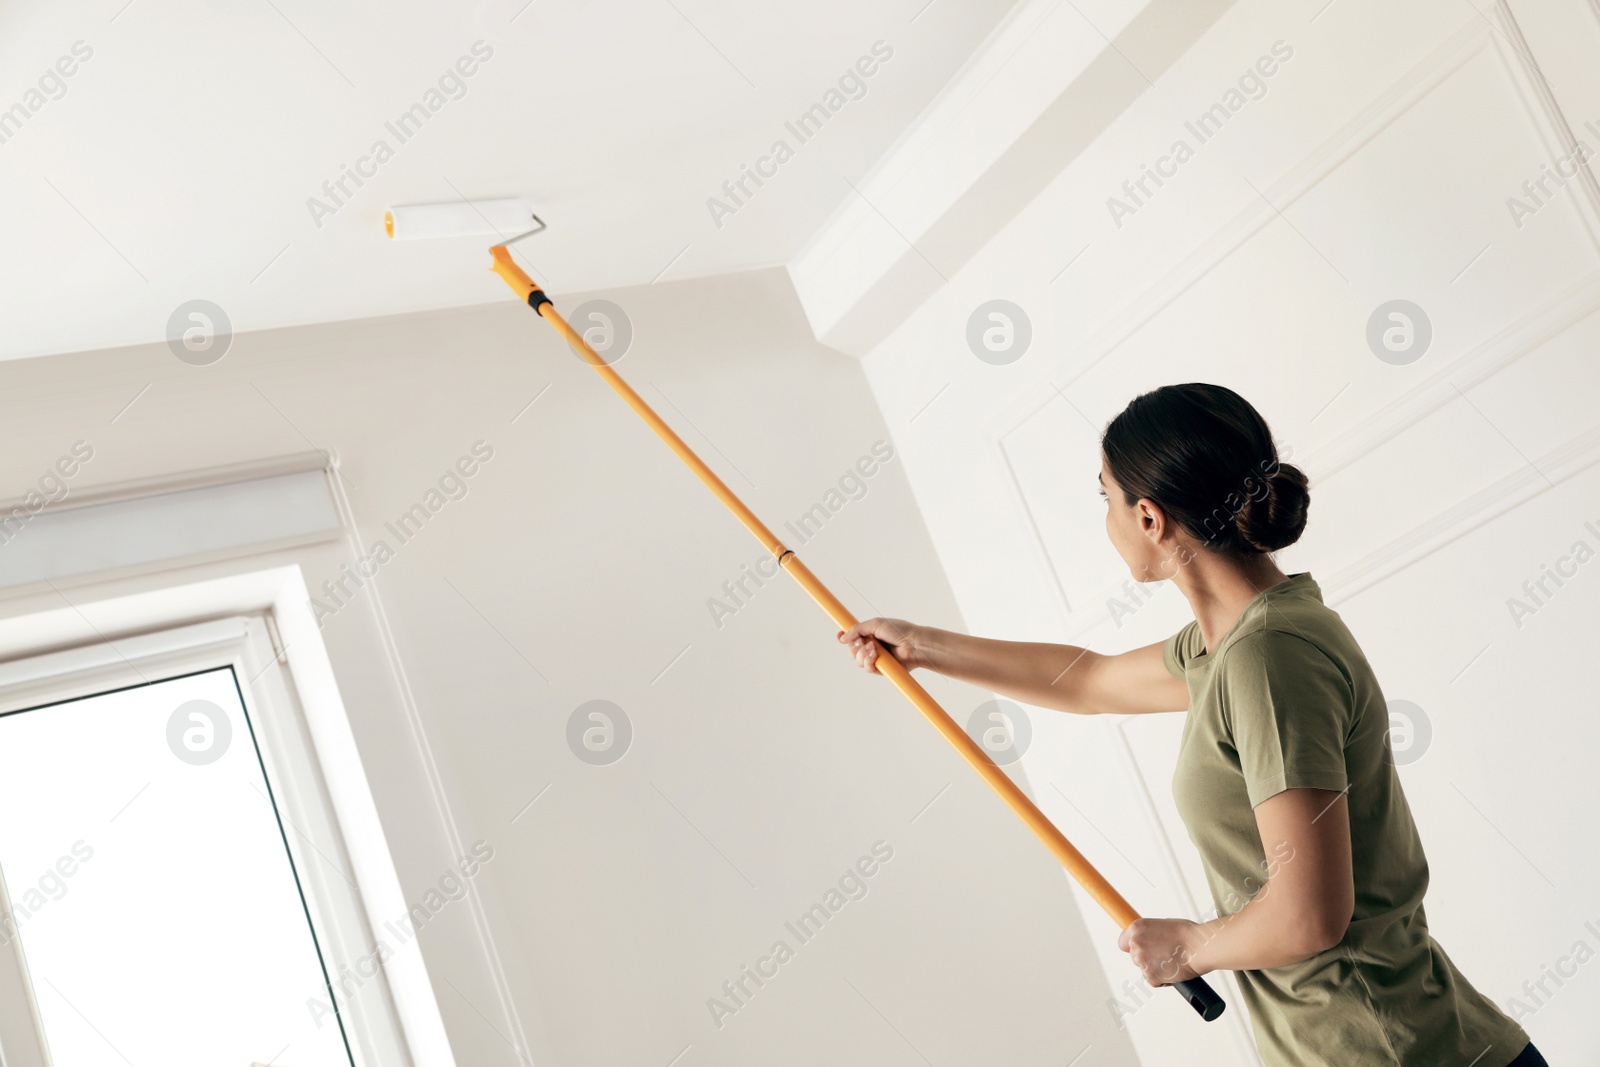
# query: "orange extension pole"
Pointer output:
{"type": "Point", "coordinates": [1204, 1000]}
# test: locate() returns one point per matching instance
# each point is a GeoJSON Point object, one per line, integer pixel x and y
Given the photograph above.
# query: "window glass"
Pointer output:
{"type": "Point", "coordinates": [151, 888]}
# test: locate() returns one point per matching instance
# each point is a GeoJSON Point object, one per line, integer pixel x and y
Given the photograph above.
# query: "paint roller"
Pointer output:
{"type": "Point", "coordinates": [469, 218]}
{"type": "Point", "coordinates": [463, 218]}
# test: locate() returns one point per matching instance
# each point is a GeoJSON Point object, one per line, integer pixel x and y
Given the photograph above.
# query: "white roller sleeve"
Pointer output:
{"type": "Point", "coordinates": [464, 218]}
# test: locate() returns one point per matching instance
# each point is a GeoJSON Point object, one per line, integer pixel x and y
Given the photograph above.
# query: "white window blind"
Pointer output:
{"type": "Point", "coordinates": [67, 541]}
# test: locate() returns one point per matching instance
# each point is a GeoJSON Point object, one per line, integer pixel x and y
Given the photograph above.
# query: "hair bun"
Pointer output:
{"type": "Point", "coordinates": [1277, 518]}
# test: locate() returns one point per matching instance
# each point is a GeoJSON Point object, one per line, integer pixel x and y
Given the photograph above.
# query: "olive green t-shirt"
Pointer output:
{"type": "Point", "coordinates": [1287, 700]}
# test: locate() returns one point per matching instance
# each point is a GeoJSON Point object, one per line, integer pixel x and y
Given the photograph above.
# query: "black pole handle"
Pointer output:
{"type": "Point", "coordinates": [1201, 997]}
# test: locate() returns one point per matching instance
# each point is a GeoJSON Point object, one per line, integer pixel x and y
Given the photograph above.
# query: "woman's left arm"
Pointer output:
{"type": "Point", "coordinates": [1304, 907]}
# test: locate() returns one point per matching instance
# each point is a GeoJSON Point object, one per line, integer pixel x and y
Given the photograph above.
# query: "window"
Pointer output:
{"type": "Point", "coordinates": [177, 887]}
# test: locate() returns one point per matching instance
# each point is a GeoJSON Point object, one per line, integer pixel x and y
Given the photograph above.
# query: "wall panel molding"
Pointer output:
{"type": "Point", "coordinates": [1476, 364]}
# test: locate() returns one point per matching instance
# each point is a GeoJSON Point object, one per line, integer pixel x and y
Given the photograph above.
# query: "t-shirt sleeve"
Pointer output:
{"type": "Point", "coordinates": [1175, 650]}
{"type": "Point", "coordinates": [1288, 709]}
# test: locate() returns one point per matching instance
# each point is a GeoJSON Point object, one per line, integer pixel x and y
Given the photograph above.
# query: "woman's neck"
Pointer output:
{"type": "Point", "coordinates": [1219, 588]}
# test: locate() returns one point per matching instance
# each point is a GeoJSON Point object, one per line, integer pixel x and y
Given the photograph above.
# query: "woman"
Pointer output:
{"type": "Point", "coordinates": [1285, 776]}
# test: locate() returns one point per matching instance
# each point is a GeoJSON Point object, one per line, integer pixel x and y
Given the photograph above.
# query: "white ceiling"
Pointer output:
{"type": "Point", "coordinates": [179, 160]}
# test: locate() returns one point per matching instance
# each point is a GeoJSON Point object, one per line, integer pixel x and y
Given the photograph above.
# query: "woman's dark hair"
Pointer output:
{"type": "Point", "coordinates": [1206, 456]}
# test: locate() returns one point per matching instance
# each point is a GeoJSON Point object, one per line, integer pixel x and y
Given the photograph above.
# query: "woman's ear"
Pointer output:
{"type": "Point", "coordinates": [1152, 520]}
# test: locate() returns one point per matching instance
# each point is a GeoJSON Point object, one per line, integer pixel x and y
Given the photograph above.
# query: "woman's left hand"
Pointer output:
{"type": "Point", "coordinates": [1162, 949]}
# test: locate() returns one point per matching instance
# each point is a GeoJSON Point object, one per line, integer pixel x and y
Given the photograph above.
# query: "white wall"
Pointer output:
{"type": "Point", "coordinates": [578, 566]}
{"type": "Point", "coordinates": [1376, 166]}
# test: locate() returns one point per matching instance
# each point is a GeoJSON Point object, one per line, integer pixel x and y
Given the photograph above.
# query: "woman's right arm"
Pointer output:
{"type": "Point", "coordinates": [1061, 677]}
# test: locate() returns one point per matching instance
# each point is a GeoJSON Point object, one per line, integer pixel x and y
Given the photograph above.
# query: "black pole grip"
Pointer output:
{"type": "Point", "coordinates": [1201, 997]}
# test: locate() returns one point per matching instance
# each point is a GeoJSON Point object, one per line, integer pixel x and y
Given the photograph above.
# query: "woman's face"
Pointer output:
{"type": "Point", "coordinates": [1137, 531]}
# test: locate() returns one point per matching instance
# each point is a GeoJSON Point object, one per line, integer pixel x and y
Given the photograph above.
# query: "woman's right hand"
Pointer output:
{"type": "Point", "coordinates": [906, 641]}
